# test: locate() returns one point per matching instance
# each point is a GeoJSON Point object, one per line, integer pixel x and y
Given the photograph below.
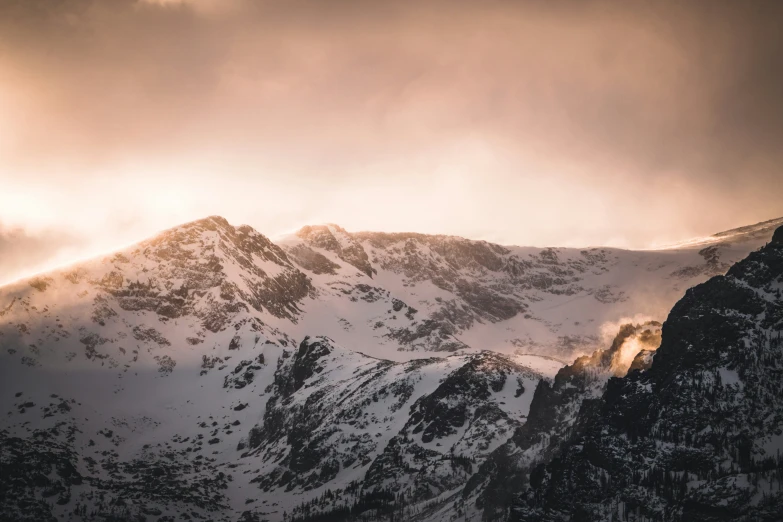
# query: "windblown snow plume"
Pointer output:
{"type": "Point", "coordinates": [629, 337]}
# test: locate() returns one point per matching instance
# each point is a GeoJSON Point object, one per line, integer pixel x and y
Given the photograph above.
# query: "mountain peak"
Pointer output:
{"type": "Point", "coordinates": [209, 371]}
{"type": "Point", "coordinates": [209, 222]}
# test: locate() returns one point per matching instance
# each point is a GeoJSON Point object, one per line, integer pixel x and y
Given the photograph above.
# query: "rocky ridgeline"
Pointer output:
{"type": "Point", "coordinates": [218, 279]}
{"type": "Point", "coordinates": [553, 415]}
{"type": "Point", "coordinates": [698, 435]}
{"type": "Point", "coordinates": [383, 435]}
{"type": "Point", "coordinates": [550, 301]}
{"type": "Point", "coordinates": [191, 377]}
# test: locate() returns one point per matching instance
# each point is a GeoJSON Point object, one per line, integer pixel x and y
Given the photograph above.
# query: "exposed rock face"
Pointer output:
{"type": "Point", "coordinates": [194, 255]}
{"type": "Point", "coordinates": [313, 261]}
{"type": "Point", "coordinates": [462, 293]}
{"type": "Point", "coordinates": [195, 375]}
{"type": "Point", "coordinates": [335, 239]}
{"type": "Point", "coordinates": [452, 430]}
{"type": "Point", "coordinates": [466, 268]}
{"type": "Point", "coordinates": [405, 431]}
{"type": "Point", "coordinates": [551, 421]}
{"type": "Point", "coordinates": [157, 318]}
{"type": "Point", "coordinates": [207, 272]}
{"type": "Point", "coordinates": [698, 435]}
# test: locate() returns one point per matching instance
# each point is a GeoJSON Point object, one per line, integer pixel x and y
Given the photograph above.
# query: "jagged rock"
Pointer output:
{"type": "Point", "coordinates": [335, 239]}
{"type": "Point", "coordinates": [331, 410]}
{"type": "Point", "coordinates": [697, 436]}
{"type": "Point", "coordinates": [189, 374]}
{"type": "Point", "coordinates": [552, 418]}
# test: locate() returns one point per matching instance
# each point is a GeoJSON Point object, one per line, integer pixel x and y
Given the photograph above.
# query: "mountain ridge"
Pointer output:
{"type": "Point", "coordinates": [697, 435]}
{"type": "Point", "coordinates": [212, 372]}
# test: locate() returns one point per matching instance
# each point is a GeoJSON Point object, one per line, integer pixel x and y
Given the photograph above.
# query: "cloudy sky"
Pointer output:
{"type": "Point", "coordinates": [572, 123]}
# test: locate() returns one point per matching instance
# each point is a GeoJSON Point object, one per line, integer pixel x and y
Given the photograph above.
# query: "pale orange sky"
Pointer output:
{"type": "Point", "coordinates": [565, 123]}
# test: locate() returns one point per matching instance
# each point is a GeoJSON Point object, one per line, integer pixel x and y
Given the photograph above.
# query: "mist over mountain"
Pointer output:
{"type": "Point", "coordinates": [209, 373]}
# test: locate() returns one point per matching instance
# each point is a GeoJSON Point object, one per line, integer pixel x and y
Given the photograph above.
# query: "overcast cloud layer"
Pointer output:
{"type": "Point", "coordinates": [549, 123]}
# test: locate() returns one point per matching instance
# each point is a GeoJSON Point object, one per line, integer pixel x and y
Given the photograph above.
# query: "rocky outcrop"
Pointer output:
{"type": "Point", "coordinates": [550, 301]}
{"type": "Point", "coordinates": [311, 260]}
{"type": "Point", "coordinates": [697, 436]}
{"type": "Point", "coordinates": [552, 418]}
{"type": "Point", "coordinates": [409, 431]}
{"type": "Point", "coordinates": [452, 430]}
{"type": "Point", "coordinates": [336, 240]}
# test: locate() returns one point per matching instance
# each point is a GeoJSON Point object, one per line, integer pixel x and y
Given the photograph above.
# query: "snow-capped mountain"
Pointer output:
{"type": "Point", "coordinates": [443, 293]}
{"type": "Point", "coordinates": [698, 435]}
{"type": "Point", "coordinates": [210, 373]}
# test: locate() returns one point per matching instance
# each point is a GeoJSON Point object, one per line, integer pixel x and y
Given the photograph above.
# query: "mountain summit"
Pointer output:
{"type": "Point", "coordinates": [211, 373]}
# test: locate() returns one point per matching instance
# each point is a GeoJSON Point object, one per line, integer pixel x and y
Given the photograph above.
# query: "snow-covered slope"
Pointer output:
{"type": "Point", "coordinates": [373, 431]}
{"type": "Point", "coordinates": [698, 435]}
{"type": "Point", "coordinates": [213, 373]}
{"type": "Point", "coordinates": [121, 377]}
{"type": "Point", "coordinates": [758, 231]}
{"type": "Point", "coordinates": [416, 292]}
